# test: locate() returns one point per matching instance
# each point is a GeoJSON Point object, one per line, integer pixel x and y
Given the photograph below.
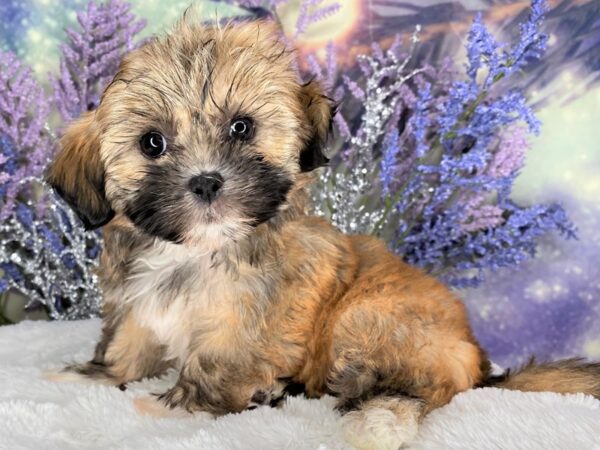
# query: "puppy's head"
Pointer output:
{"type": "Point", "coordinates": [201, 135]}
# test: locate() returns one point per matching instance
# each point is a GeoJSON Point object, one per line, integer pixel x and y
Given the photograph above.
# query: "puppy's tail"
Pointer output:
{"type": "Point", "coordinates": [568, 376]}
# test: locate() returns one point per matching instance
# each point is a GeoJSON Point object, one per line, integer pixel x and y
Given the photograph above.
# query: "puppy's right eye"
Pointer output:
{"type": "Point", "coordinates": [153, 144]}
{"type": "Point", "coordinates": [241, 128]}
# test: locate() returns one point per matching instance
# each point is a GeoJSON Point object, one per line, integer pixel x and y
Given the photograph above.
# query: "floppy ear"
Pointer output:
{"type": "Point", "coordinates": [319, 110]}
{"type": "Point", "coordinates": [77, 173]}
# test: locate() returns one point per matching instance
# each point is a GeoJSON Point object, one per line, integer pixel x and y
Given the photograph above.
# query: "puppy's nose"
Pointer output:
{"type": "Point", "coordinates": [207, 185]}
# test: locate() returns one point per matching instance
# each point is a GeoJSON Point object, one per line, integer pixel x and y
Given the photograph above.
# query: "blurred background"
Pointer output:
{"type": "Point", "coordinates": [548, 306]}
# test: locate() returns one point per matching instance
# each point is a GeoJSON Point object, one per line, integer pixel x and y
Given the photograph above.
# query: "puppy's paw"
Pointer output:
{"type": "Point", "coordinates": [377, 429]}
{"type": "Point", "coordinates": [82, 373]}
{"type": "Point", "coordinates": [185, 395]}
{"type": "Point", "coordinates": [264, 397]}
{"type": "Point", "coordinates": [153, 407]}
{"type": "Point", "coordinates": [176, 397]}
{"type": "Point", "coordinates": [62, 376]}
{"type": "Point", "coordinates": [382, 424]}
{"type": "Point", "coordinates": [275, 395]}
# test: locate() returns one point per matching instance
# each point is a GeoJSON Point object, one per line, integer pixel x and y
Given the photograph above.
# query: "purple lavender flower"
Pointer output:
{"type": "Point", "coordinates": [24, 144]}
{"type": "Point", "coordinates": [483, 49]}
{"type": "Point", "coordinates": [11, 271]}
{"type": "Point", "coordinates": [326, 74]}
{"type": "Point", "coordinates": [480, 215]}
{"type": "Point", "coordinates": [461, 94]}
{"type": "Point", "coordinates": [421, 120]}
{"type": "Point", "coordinates": [354, 88]}
{"type": "Point", "coordinates": [311, 12]}
{"type": "Point", "coordinates": [8, 167]}
{"type": "Point", "coordinates": [509, 155]}
{"type": "Point", "coordinates": [92, 56]}
{"type": "Point", "coordinates": [388, 165]}
{"type": "Point", "coordinates": [459, 226]}
{"type": "Point", "coordinates": [447, 151]}
{"type": "Point", "coordinates": [531, 44]}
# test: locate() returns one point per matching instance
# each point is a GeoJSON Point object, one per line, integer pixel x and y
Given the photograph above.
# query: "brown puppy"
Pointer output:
{"type": "Point", "coordinates": [197, 162]}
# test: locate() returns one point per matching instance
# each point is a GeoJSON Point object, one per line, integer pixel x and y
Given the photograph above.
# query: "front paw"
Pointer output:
{"type": "Point", "coordinates": [151, 406]}
{"type": "Point", "coordinates": [190, 396]}
{"type": "Point", "coordinates": [275, 396]}
{"type": "Point", "coordinates": [80, 373]}
{"type": "Point", "coordinates": [195, 396]}
{"type": "Point", "coordinates": [184, 395]}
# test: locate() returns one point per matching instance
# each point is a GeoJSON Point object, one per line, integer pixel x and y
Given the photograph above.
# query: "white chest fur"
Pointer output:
{"type": "Point", "coordinates": [188, 301]}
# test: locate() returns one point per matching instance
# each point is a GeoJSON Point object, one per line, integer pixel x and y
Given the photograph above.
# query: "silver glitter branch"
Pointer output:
{"type": "Point", "coordinates": [342, 193]}
{"type": "Point", "coordinates": [53, 258]}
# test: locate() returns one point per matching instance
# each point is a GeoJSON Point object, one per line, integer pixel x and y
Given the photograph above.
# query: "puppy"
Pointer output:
{"type": "Point", "coordinates": [197, 163]}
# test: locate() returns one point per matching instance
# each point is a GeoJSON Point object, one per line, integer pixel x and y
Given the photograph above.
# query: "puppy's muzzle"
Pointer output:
{"type": "Point", "coordinates": [207, 186]}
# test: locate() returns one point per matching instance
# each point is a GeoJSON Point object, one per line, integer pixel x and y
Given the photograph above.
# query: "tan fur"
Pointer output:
{"type": "Point", "coordinates": [84, 181]}
{"type": "Point", "coordinates": [565, 377]}
{"type": "Point", "coordinates": [149, 406]}
{"type": "Point", "coordinates": [248, 311]}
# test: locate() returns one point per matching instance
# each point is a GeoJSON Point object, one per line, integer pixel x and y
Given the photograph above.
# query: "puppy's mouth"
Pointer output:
{"type": "Point", "coordinates": [211, 213]}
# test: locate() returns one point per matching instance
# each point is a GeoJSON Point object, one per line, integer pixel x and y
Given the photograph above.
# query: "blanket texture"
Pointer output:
{"type": "Point", "coordinates": [39, 414]}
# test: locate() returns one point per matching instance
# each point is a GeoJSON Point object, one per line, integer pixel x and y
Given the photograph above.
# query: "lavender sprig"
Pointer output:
{"type": "Point", "coordinates": [446, 151]}
{"type": "Point", "coordinates": [92, 56]}
{"type": "Point", "coordinates": [25, 147]}
{"type": "Point", "coordinates": [312, 12]}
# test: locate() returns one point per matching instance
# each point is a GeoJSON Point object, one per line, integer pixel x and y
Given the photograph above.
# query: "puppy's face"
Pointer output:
{"type": "Point", "coordinates": [201, 136]}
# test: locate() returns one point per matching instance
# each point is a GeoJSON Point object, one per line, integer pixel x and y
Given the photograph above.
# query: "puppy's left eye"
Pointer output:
{"type": "Point", "coordinates": [241, 128]}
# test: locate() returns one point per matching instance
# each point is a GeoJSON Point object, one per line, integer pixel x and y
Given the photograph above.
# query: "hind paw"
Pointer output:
{"type": "Point", "coordinates": [382, 423]}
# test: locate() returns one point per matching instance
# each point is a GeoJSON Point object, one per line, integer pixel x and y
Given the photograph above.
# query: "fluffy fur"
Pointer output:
{"type": "Point", "coordinates": [247, 296]}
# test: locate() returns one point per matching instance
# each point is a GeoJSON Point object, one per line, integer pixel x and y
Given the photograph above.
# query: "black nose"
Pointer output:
{"type": "Point", "coordinates": [207, 185]}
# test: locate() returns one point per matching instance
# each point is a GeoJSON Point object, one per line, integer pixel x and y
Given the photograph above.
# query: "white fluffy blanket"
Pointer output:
{"type": "Point", "coordinates": [39, 414]}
